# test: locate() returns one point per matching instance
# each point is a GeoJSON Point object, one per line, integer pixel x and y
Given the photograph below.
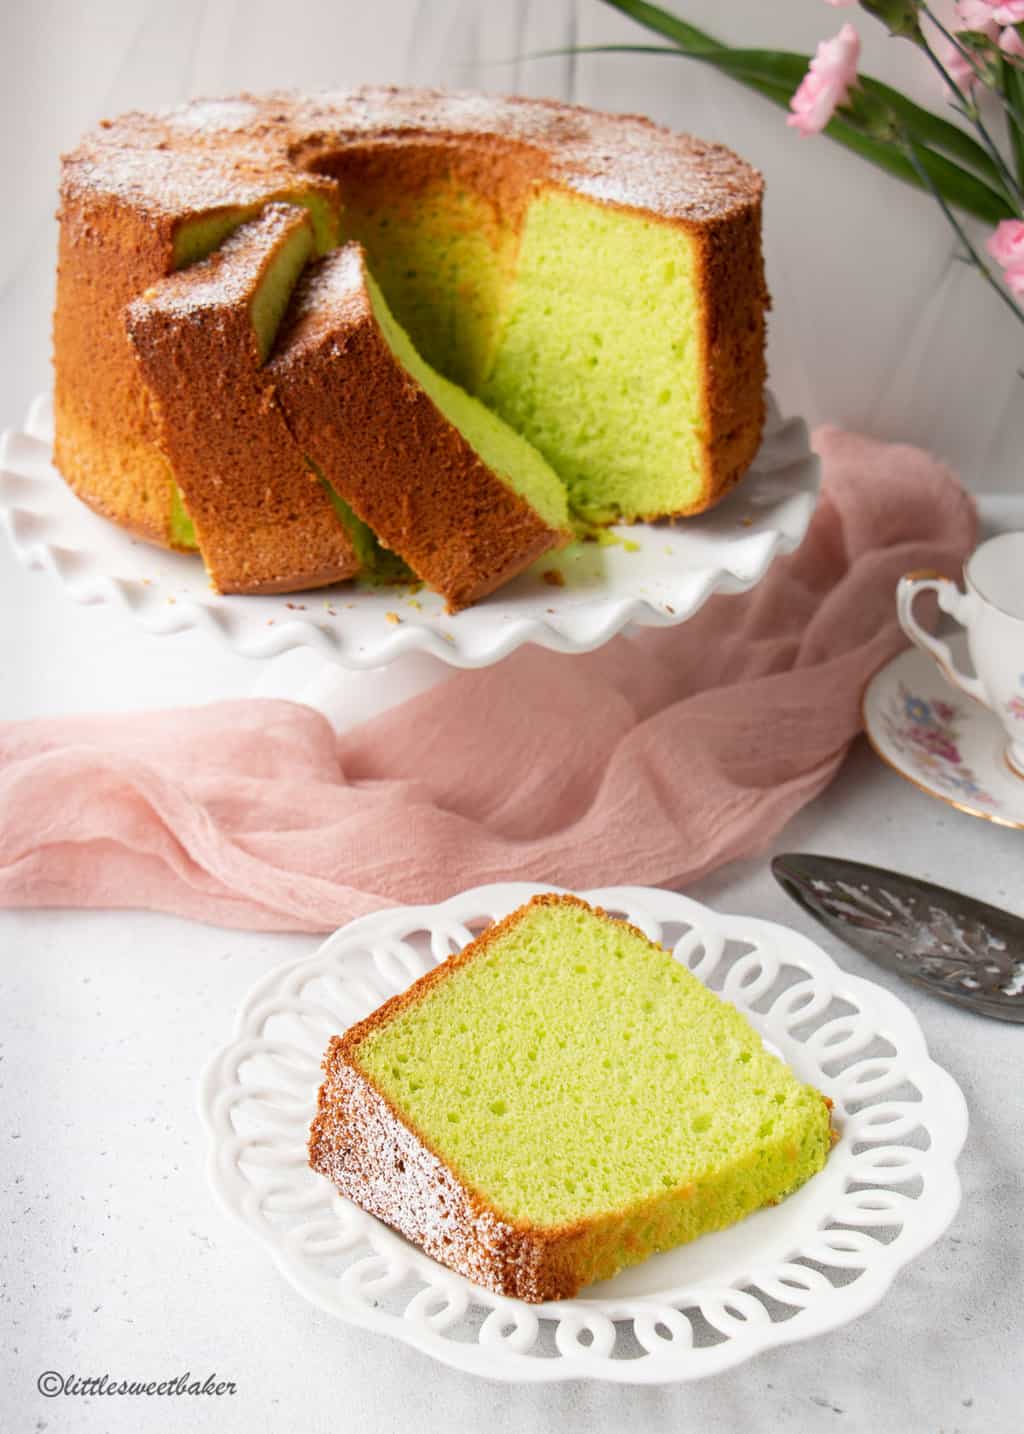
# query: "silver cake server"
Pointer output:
{"type": "Point", "coordinates": [949, 944]}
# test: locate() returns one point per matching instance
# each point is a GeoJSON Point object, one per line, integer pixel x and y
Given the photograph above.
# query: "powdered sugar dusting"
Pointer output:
{"type": "Point", "coordinates": [213, 116]}
{"type": "Point", "coordinates": [172, 183]}
{"type": "Point", "coordinates": [218, 151]}
{"type": "Point", "coordinates": [330, 298]}
{"type": "Point", "coordinates": [228, 278]}
{"type": "Point", "coordinates": [363, 1148]}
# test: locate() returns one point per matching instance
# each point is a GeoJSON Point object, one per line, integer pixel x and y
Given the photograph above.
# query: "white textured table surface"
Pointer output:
{"type": "Point", "coordinates": [116, 1259]}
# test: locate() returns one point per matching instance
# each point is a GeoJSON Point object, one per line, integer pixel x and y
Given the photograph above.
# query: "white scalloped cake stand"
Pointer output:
{"type": "Point", "coordinates": [655, 576]}
{"type": "Point", "coordinates": [821, 1257]}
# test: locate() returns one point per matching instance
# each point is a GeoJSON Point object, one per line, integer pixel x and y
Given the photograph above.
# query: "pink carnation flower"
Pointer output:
{"type": "Point", "coordinates": [1006, 246]}
{"type": "Point", "coordinates": [980, 14]}
{"type": "Point", "coordinates": [827, 83]}
{"type": "Point", "coordinates": [959, 68]}
{"type": "Point", "coordinates": [995, 18]}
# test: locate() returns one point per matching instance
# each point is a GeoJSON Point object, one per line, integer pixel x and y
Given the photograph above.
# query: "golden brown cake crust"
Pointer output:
{"type": "Point", "coordinates": [131, 186]}
{"type": "Point", "coordinates": [733, 347]}
{"type": "Point", "coordinates": [262, 520]}
{"type": "Point", "coordinates": [123, 202]}
{"type": "Point", "coordinates": [364, 1146]}
{"type": "Point", "coordinates": [381, 442]}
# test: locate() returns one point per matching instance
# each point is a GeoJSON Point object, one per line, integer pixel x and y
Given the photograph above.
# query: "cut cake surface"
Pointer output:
{"type": "Point", "coordinates": [441, 480]}
{"type": "Point", "coordinates": [559, 1100]}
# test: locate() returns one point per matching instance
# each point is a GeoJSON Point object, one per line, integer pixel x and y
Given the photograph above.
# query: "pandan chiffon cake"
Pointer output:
{"type": "Point", "coordinates": [560, 1100]}
{"type": "Point", "coordinates": [365, 408]}
{"type": "Point", "coordinates": [595, 281]}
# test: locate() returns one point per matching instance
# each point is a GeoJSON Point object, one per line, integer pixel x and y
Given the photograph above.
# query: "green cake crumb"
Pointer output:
{"type": "Point", "coordinates": [573, 1068]}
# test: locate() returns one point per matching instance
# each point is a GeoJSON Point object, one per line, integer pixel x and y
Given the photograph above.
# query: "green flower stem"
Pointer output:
{"type": "Point", "coordinates": [1013, 82]}
{"type": "Point", "coordinates": [970, 112]}
{"type": "Point", "coordinates": [973, 257]}
{"type": "Point", "coordinates": [1008, 70]}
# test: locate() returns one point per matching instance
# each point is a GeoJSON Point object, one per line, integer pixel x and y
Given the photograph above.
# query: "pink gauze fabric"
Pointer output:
{"type": "Point", "coordinates": [650, 761]}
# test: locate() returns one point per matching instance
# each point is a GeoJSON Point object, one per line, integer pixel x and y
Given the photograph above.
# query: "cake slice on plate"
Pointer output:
{"type": "Point", "coordinates": [263, 521]}
{"type": "Point", "coordinates": [463, 499]}
{"type": "Point", "coordinates": [557, 1101]}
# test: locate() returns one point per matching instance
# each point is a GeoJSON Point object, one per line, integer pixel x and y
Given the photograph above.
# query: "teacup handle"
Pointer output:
{"type": "Point", "coordinates": [951, 601]}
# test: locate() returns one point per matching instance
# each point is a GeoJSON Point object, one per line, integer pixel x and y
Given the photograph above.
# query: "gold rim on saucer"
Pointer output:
{"type": "Point", "coordinates": [984, 816]}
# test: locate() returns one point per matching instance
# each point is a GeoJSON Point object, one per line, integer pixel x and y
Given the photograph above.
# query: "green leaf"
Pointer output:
{"type": "Point", "coordinates": [976, 40]}
{"type": "Point", "coordinates": [776, 74]}
{"type": "Point", "coordinates": [779, 67]}
{"type": "Point", "coordinates": [932, 129]}
{"type": "Point", "coordinates": [954, 183]}
{"type": "Point", "coordinates": [1013, 85]}
{"type": "Point", "coordinates": [662, 23]}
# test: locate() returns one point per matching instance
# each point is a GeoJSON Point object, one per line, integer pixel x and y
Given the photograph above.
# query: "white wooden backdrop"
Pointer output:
{"type": "Point", "coordinates": [876, 325]}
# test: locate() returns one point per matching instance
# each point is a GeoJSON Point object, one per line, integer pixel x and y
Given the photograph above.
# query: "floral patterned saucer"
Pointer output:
{"type": "Point", "coordinates": [945, 743]}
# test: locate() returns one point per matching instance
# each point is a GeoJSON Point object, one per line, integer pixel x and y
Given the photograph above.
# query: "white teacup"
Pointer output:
{"type": "Point", "coordinates": [992, 612]}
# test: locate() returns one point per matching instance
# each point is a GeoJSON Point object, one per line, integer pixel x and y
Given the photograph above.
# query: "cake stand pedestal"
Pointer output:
{"type": "Point", "coordinates": [347, 698]}
{"type": "Point", "coordinates": [352, 651]}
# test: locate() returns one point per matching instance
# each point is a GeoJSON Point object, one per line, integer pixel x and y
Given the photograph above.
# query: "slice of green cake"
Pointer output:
{"type": "Point", "coordinates": [196, 238]}
{"type": "Point", "coordinates": [242, 488]}
{"type": "Point", "coordinates": [465, 501]}
{"type": "Point", "coordinates": [559, 1100]}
